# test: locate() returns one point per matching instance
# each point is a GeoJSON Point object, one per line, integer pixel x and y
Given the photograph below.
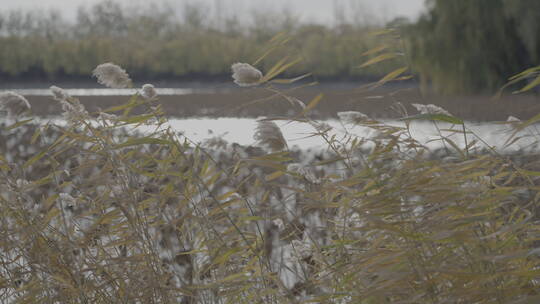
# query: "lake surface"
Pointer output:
{"type": "Point", "coordinates": [301, 135]}
{"type": "Point", "coordinates": [224, 99]}
{"type": "Point", "coordinates": [120, 92]}
{"type": "Point", "coordinates": [203, 111]}
{"type": "Point", "coordinates": [241, 130]}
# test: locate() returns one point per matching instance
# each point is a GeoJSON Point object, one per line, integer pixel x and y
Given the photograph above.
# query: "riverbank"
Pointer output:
{"type": "Point", "coordinates": [224, 100]}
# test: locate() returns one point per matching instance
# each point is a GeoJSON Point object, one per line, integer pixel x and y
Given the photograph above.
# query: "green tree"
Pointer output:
{"type": "Point", "coordinates": [464, 46]}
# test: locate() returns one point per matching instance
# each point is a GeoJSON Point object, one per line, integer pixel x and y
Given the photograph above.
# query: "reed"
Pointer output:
{"type": "Point", "coordinates": [94, 212]}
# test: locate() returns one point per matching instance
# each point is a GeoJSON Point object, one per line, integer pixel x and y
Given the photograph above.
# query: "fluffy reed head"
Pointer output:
{"type": "Point", "coordinates": [303, 171]}
{"type": "Point", "coordinates": [246, 75]}
{"type": "Point", "coordinates": [13, 104]}
{"type": "Point", "coordinates": [74, 111]}
{"type": "Point", "coordinates": [430, 109]}
{"type": "Point", "coordinates": [269, 136]}
{"type": "Point", "coordinates": [112, 76]}
{"type": "Point", "coordinates": [148, 91]}
{"type": "Point", "coordinates": [107, 118]}
{"type": "Point", "coordinates": [513, 119]}
{"type": "Point", "coordinates": [352, 117]}
{"type": "Point", "coordinates": [59, 94]}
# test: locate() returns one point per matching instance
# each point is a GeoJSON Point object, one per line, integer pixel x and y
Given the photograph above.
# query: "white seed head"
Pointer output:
{"type": "Point", "coordinates": [304, 171]}
{"type": "Point", "coordinates": [513, 119]}
{"type": "Point", "coordinates": [112, 76]}
{"type": "Point", "coordinates": [21, 183]}
{"type": "Point", "coordinates": [216, 142]}
{"type": "Point", "coordinates": [148, 91]}
{"type": "Point", "coordinates": [279, 224]}
{"type": "Point", "coordinates": [13, 104]}
{"type": "Point", "coordinates": [66, 198]}
{"type": "Point", "coordinates": [74, 111]}
{"type": "Point", "coordinates": [352, 117]}
{"type": "Point", "coordinates": [106, 117]}
{"type": "Point", "coordinates": [246, 75]}
{"type": "Point", "coordinates": [302, 249]}
{"type": "Point", "coordinates": [430, 109]}
{"type": "Point", "coordinates": [269, 136]}
{"type": "Point", "coordinates": [59, 94]}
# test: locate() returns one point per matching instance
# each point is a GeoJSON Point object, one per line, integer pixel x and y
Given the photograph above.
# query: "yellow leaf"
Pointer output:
{"type": "Point", "coordinates": [274, 175]}
{"type": "Point", "coordinates": [380, 58]}
{"type": "Point", "coordinates": [392, 75]}
{"type": "Point", "coordinates": [313, 103]}
{"type": "Point", "coordinates": [531, 85]}
{"type": "Point", "coordinates": [375, 50]}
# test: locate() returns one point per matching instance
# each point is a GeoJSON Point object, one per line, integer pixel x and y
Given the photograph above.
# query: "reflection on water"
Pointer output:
{"type": "Point", "coordinates": [302, 135]}
{"type": "Point", "coordinates": [118, 92]}
{"type": "Point", "coordinates": [240, 130]}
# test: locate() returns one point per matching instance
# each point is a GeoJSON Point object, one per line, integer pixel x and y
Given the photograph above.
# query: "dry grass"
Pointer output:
{"type": "Point", "coordinates": [94, 216]}
{"type": "Point", "coordinates": [93, 213]}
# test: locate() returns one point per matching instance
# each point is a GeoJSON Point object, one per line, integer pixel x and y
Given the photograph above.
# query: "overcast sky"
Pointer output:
{"type": "Point", "coordinates": [306, 10]}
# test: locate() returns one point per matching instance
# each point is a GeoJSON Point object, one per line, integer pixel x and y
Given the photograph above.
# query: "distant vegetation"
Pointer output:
{"type": "Point", "coordinates": [156, 43]}
{"type": "Point", "coordinates": [472, 46]}
{"type": "Point", "coordinates": [94, 211]}
{"type": "Point", "coordinates": [455, 47]}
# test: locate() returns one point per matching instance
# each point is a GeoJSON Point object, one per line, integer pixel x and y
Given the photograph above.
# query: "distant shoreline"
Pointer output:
{"type": "Point", "coordinates": [256, 102]}
{"type": "Point", "coordinates": [183, 82]}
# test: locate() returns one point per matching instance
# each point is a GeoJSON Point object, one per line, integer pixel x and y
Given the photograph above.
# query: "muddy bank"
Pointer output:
{"type": "Point", "coordinates": [237, 102]}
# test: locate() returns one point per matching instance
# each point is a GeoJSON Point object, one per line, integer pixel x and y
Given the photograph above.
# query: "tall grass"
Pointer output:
{"type": "Point", "coordinates": [95, 212]}
{"type": "Point", "coordinates": [154, 42]}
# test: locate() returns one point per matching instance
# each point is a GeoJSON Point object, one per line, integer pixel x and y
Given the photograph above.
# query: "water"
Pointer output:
{"type": "Point", "coordinates": [486, 135]}
{"type": "Point", "coordinates": [241, 130]}
{"type": "Point", "coordinates": [120, 92]}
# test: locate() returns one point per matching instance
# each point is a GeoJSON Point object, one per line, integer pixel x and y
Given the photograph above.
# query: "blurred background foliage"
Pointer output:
{"type": "Point", "coordinates": [463, 46]}
{"type": "Point", "coordinates": [455, 47]}
{"type": "Point", "coordinates": [154, 42]}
